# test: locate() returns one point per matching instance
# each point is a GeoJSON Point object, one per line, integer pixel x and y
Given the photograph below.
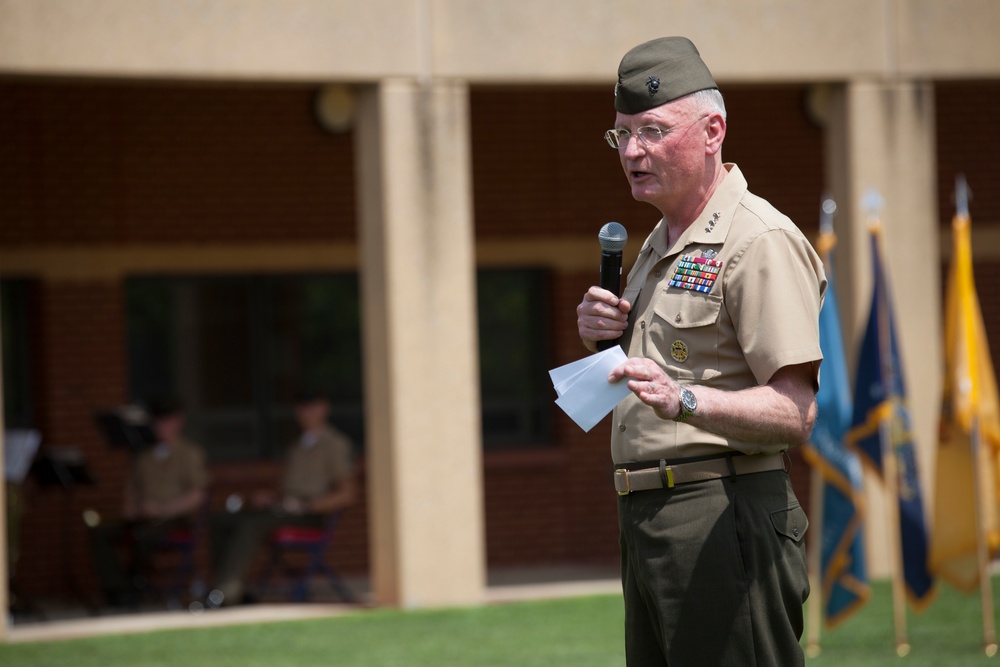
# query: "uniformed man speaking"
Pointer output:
{"type": "Point", "coordinates": [719, 319]}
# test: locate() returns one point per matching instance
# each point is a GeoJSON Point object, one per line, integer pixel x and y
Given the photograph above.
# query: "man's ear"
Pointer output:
{"type": "Point", "coordinates": [715, 133]}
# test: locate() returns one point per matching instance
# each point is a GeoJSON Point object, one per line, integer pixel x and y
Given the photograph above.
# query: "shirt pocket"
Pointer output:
{"type": "Point", "coordinates": [685, 331]}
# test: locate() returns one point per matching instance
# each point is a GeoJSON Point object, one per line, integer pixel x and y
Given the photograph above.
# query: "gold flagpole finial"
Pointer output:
{"type": "Point", "coordinates": [827, 208]}
{"type": "Point", "coordinates": [873, 203]}
{"type": "Point", "coordinates": [962, 196]}
{"type": "Point", "coordinates": [827, 240]}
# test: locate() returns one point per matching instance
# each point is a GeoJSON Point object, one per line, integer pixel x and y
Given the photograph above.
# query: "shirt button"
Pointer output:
{"type": "Point", "coordinates": [795, 532]}
{"type": "Point", "coordinates": [677, 318]}
{"type": "Point", "coordinates": [658, 273]}
{"type": "Point", "coordinates": [621, 427]}
{"type": "Point", "coordinates": [642, 325]}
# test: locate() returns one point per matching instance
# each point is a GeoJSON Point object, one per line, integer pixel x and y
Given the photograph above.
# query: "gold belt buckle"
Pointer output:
{"type": "Point", "coordinates": [624, 473]}
{"type": "Point", "coordinates": [669, 474]}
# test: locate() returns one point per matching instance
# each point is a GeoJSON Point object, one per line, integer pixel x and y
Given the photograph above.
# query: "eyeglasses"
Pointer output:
{"type": "Point", "coordinates": [618, 137]}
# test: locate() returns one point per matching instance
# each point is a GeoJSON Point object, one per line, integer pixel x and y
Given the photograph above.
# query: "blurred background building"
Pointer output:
{"type": "Point", "coordinates": [398, 203]}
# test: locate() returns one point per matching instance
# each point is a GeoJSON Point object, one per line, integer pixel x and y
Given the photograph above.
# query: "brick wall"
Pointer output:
{"type": "Point", "coordinates": [118, 163]}
{"type": "Point", "coordinates": [541, 166]}
{"type": "Point", "coordinates": [113, 163]}
{"type": "Point", "coordinates": [78, 345]}
{"type": "Point", "coordinates": [100, 164]}
{"type": "Point", "coordinates": [968, 143]}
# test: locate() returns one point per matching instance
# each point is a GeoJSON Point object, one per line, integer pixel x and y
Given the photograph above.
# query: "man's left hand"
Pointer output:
{"type": "Point", "coordinates": [651, 385]}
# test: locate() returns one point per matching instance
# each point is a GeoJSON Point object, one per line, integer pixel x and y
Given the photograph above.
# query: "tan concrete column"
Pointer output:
{"type": "Point", "coordinates": [881, 135]}
{"type": "Point", "coordinates": [424, 452]}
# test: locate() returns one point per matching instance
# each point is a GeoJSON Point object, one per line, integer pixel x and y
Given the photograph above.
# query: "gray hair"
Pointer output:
{"type": "Point", "coordinates": [709, 100]}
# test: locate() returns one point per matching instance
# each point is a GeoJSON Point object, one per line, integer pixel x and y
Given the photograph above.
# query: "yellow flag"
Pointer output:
{"type": "Point", "coordinates": [970, 430]}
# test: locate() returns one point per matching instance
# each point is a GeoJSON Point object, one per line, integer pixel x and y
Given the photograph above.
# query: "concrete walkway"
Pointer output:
{"type": "Point", "coordinates": [503, 587]}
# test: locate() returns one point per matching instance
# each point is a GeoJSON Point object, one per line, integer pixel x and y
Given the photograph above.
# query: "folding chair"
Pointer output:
{"type": "Point", "coordinates": [179, 548]}
{"type": "Point", "coordinates": [183, 542]}
{"type": "Point", "coordinates": [313, 542]}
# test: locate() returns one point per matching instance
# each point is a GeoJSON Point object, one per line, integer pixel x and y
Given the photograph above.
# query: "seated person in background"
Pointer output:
{"type": "Point", "coordinates": [317, 480]}
{"type": "Point", "coordinates": [165, 489]}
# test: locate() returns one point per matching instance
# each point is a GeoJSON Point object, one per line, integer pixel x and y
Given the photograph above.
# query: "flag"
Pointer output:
{"type": "Point", "coordinates": [880, 409]}
{"type": "Point", "coordinates": [843, 575]}
{"type": "Point", "coordinates": [969, 409]}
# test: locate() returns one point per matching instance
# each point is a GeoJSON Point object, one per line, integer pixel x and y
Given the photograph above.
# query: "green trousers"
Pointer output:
{"type": "Point", "coordinates": [236, 539]}
{"type": "Point", "coordinates": [714, 573]}
{"type": "Point", "coordinates": [122, 551]}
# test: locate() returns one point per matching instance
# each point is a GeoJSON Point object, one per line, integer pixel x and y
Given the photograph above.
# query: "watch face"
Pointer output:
{"type": "Point", "coordinates": [689, 400]}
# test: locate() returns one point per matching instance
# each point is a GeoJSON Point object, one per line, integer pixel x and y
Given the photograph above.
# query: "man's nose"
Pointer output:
{"type": "Point", "coordinates": [634, 146]}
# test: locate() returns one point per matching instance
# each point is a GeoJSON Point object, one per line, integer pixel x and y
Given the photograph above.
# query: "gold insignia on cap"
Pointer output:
{"type": "Point", "coordinates": [679, 351]}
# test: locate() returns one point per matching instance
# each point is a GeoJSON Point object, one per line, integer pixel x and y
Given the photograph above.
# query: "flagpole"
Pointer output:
{"type": "Point", "coordinates": [982, 549]}
{"type": "Point", "coordinates": [890, 474]}
{"type": "Point", "coordinates": [980, 461]}
{"type": "Point", "coordinates": [816, 484]}
{"type": "Point", "coordinates": [890, 469]}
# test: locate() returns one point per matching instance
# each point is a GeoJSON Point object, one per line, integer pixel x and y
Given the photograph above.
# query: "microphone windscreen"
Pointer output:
{"type": "Point", "coordinates": [612, 237]}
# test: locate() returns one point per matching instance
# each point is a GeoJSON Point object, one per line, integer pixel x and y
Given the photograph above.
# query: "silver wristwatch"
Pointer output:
{"type": "Point", "coordinates": [689, 403]}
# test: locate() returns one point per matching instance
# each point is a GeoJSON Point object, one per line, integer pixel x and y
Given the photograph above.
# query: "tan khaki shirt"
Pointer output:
{"type": "Point", "coordinates": [751, 306]}
{"type": "Point", "coordinates": [163, 473]}
{"type": "Point", "coordinates": [317, 463]}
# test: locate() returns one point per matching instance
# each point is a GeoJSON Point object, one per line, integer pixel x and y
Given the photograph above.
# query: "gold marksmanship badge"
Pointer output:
{"type": "Point", "coordinates": [679, 350]}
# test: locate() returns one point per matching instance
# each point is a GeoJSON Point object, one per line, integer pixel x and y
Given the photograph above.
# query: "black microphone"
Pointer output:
{"type": "Point", "coordinates": [612, 238]}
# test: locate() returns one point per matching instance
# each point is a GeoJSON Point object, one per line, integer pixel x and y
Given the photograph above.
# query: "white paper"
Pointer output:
{"type": "Point", "coordinates": [583, 388]}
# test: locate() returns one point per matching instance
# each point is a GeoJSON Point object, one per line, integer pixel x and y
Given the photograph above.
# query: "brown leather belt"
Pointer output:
{"type": "Point", "coordinates": [667, 476]}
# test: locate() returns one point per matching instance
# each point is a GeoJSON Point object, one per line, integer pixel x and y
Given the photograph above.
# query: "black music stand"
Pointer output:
{"type": "Point", "coordinates": [61, 466]}
{"type": "Point", "coordinates": [127, 427]}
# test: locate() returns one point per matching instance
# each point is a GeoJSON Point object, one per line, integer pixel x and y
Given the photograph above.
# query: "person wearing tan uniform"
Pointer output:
{"type": "Point", "coordinates": [165, 489]}
{"type": "Point", "coordinates": [317, 480]}
{"type": "Point", "coordinates": [719, 320]}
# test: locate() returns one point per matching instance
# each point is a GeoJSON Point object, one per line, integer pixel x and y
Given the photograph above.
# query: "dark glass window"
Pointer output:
{"type": "Point", "coordinates": [235, 349]}
{"type": "Point", "coordinates": [14, 328]}
{"type": "Point", "coordinates": [513, 357]}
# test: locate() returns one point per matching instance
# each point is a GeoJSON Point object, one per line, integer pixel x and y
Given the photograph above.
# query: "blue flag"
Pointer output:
{"type": "Point", "coordinates": [843, 575]}
{"type": "Point", "coordinates": [880, 413]}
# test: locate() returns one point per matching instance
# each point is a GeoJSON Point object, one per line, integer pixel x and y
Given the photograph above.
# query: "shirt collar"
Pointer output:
{"type": "Point", "coordinates": [708, 228]}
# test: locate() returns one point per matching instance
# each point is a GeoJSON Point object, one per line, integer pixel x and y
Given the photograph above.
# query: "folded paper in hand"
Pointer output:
{"type": "Point", "coordinates": [583, 388]}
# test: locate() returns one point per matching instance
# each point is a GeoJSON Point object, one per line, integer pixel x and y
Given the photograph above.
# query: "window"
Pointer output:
{"type": "Point", "coordinates": [513, 357]}
{"type": "Point", "coordinates": [235, 349]}
{"type": "Point", "coordinates": [14, 297]}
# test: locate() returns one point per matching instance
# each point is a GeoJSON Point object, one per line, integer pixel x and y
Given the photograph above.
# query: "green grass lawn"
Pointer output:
{"type": "Point", "coordinates": [579, 632]}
